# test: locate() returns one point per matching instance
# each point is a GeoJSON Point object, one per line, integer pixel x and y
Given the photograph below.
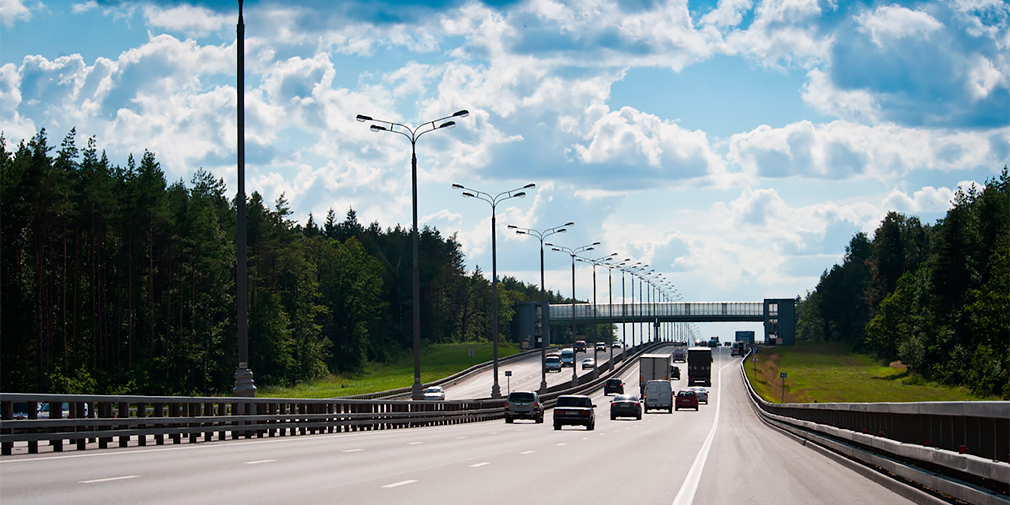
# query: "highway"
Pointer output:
{"type": "Point", "coordinates": [526, 375]}
{"type": "Point", "coordinates": [720, 454]}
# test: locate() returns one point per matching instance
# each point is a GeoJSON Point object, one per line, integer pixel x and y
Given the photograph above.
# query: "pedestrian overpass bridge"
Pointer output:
{"type": "Point", "coordinates": [777, 314]}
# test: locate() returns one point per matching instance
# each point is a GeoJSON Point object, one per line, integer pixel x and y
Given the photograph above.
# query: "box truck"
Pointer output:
{"type": "Point", "coordinates": [699, 366]}
{"type": "Point", "coordinates": [653, 367]}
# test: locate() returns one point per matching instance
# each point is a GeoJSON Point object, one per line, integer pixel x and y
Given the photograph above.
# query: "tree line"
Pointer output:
{"type": "Point", "coordinates": [936, 297]}
{"type": "Point", "coordinates": [114, 281]}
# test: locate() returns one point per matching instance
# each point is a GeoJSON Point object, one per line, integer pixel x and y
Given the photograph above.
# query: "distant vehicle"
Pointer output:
{"type": "Point", "coordinates": [701, 393]}
{"type": "Point", "coordinates": [699, 366]}
{"type": "Point", "coordinates": [613, 386]}
{"type": "Point", "coordinates": [616, 345]}
{"type": "Point", "coordinates": [434, 393]}
{"type": "Point", "coordinates": [680, 343]}
{"type": "Point", "coordinates": [625, 406]}
{"type": "Point", "coordinates": [552, 363]}
{"type": "Point", "coordinates": [675, 373]}
{"type": "Point", "coordinates": [652, 367]}
{"type": "Point", "coordinates": [737, 349]}
{"type": "Point", "coordinates": [726, 344]}
{"type": "Point", "coordinates": [580, 346]}
{"type": "Point", "coordinates": [601, 346]}
{"type": "Point", "coordinates": [574, 410]}
{"type": "Point", "coordinates": [686, 399]}
{"type": "Point", "coordinates": [658, 395]}
{"type": "Point", "coordinates": [588, 363]}
{"type": "Point", "coordinates": [679, 355]}
{"type": "Point", "coordinates": [524, 405]}
{"type": "Point", "coordinates": [713, 342]}
{"type": "Point", "coordinates": [567, 357]}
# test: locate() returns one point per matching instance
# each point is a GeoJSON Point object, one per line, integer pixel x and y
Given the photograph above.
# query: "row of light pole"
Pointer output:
{"type": "Point", "coordinates": [244, 385]}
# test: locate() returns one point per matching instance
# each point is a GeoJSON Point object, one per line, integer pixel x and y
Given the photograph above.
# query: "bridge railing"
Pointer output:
{"type": "Point", "coordinates": [961, 449]}
{"type": "Point", "coordinates": [603, 312]}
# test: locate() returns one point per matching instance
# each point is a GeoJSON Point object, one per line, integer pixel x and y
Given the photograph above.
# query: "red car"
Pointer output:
{"type": "Point", "coordinates": [686, 399]}
{"type": "Point", "coordinates": [580, 346]}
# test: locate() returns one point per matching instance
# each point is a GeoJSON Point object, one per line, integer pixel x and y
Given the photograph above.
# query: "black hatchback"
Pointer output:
{"type": "Point", "coordinates": [615, 386]}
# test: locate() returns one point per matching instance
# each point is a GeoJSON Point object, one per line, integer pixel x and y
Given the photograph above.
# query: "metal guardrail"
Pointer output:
{"type": "Point", "coordinates": [77, 420]}
{"type": "Point", "coordinates": [957, 448]}
{"type": "Point", "coordinates": [107, 419]}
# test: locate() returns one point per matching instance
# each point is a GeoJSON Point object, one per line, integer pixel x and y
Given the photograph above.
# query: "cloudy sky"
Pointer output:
{"type": "Point", "coordinates": [733, 145]}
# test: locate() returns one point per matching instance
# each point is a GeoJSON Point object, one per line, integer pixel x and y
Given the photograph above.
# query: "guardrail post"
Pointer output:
{"type": "Point", "coordinates": [141, 413]}
{"type": "Point", "coordinates": [6, 414]}
{"type": "Point", "coordinates": [123, 413]}
{"type": "Point", "coordinates": [77, 412]}
{"type": "Point", "coordinates": [221, 410]}
{"type": "Point", "coordinates": [104, 412]}
{"type": "Point", "coordinates": [158, 411]}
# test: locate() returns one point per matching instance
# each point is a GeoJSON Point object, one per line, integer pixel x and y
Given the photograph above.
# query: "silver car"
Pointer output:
{"type": "Point", "coordinates": [701, 393]}
{"type": "Point", "coordinates": [434, 393]}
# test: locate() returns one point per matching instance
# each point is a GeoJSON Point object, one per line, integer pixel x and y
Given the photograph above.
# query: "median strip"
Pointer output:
{"type": "Point", "coordinates": [109, 479]}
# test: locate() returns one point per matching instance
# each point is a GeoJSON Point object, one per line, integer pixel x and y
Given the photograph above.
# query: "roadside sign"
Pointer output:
{"type": "Point", "coordinates": [756, 349]}
{"type": "Point", "coordinates": [782, 375]}
{"type": "Point", "coordinates": [508, 373]}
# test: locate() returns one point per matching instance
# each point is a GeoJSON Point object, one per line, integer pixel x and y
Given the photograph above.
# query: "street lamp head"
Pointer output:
{"type": "Point", "coordinates": [362, 118]}
{"type": "Point", "coordinates": [467, 194]}
{"type": "Point", "coordinates": [529, 186]}
{"type": "Point", "coordinates": [561, 230]}
{"type": "Point", "coordinates": [520, 194]}
{"type": "Point", "coordinates": [448, 125]}
{"type": "Point", "coordinates": [376, 128]}
{"type": "Point", "coordinates": [520, 232]}
{"type": "Point", "coordinates": [461, 113]}
{"type": "Point", "coordinates": [457, 186]}
{"type": "Point", "coordinates": [570, 223]}
{"type": "Point", "coordinates": [511, 226]}
{"type": "Point", "coordinates": [549, 244]}
{"type": "Point", "coordinates": [596, 243]}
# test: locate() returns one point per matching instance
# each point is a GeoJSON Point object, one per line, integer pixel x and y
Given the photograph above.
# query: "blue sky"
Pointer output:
{"type": "Point", "coordinates": [734, 145]}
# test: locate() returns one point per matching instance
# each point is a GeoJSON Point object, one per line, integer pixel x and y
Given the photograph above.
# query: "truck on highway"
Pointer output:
{"type": "Point", "coordinates": [699, 366]}
{"type": "Point", "coordinates": [653, 367]}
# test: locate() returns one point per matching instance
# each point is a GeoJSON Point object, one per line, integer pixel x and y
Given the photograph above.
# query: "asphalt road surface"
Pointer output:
{"type": "Point", "coordinates": [720, 454]}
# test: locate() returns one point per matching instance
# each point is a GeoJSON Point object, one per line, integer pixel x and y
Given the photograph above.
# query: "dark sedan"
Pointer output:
{"type": "Point", "coordinates": [613, 386]}
{"type": "Point", "coordinates": [574, 410]}
{"type": "Point", "coordinates": [625, 406]}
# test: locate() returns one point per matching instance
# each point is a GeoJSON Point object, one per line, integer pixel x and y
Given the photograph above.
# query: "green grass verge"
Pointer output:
{"type": "Point", "coordinates": [830, 372]}
{"type": "Point", "coordinates": [437, 361]}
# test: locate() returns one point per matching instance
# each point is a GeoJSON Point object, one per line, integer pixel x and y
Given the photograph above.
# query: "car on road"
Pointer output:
{"type": "Point", "coordinates": [552, 363]}
{"type": "Point", "coordinates": [615, 386]}
{"type": "Point", "coordinates": [524, 405]}
{"type": "Point", "coordinates": [625, 406]}
{"type": "Point", "coordinates": [567, 357]}
{"type": "Point", "coordinates": [679, 355]}
{"type": "Point", "coordinates": [574, 410]}
{"type": "Point", "coordinates": [434, 393]}
{"type": "Point", "coordinates": [675, 372]}
{"type": "Point", "coordinates": [686, 399]}
{"type": "Point", "coordinates": [588, 363]}
{"type": "Point", "coordinates": [658, 395]}
{"type": "Point", "coordinates": [601, 346]}
{"type": "Point", "coordinates": [701, 393]}
{"type": "Point", "coordinates": [615, 345]}
{"type": "Point", "coordinates": [580, 346]}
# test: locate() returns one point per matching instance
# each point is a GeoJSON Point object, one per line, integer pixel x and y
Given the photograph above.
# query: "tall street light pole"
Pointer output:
{"type": "Point", "coordinates": [596, 314]}
{"type": "Point", "coordinates": [493, 201]}
{"type": "Point", "coordinates": [412, 134]}
{"type": "Point", "coordinates": [544, 323]}
{"type": "Point", "coordinates": [573, 253]}
{"type": "Point", "coordinates": [244, 386]}
{"type": "Point", "coordinates": [609, 263]}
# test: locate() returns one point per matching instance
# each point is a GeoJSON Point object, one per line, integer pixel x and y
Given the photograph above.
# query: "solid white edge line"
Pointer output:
{"type": "Point", "coordinates": [398, 484]}
{"type": "Point", "coordinates": [109, 479]}
{"type": "Point", "coordinates": [259, 461]}
{"type": "Point", "coordinates": [686, 494]}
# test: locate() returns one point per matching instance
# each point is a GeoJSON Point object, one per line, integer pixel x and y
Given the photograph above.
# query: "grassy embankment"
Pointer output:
{"type": "Point", "coordinates": [437, 361]}
{"type": "Point", "coordinates": [828, 372]}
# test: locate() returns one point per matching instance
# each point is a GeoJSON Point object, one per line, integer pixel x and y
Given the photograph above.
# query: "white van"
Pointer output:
{"type": "Point", "coordinates": [567, 357]}
{"type": "Point", "coordinates": [658, 395]}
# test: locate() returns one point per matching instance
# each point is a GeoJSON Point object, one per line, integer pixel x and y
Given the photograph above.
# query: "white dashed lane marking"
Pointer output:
{"type": "Point", "coordinates": [108, 479]}
{"type": "Point", "coordinates": [398, 484]}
